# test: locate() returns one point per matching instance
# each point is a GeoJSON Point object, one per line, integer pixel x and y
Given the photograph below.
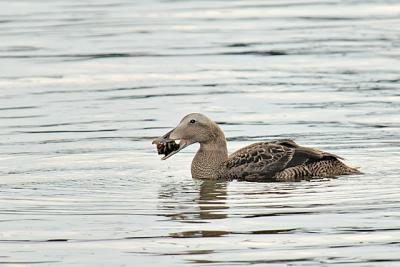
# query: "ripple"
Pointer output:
{"type": "Point", "coordinates": [87, 86]}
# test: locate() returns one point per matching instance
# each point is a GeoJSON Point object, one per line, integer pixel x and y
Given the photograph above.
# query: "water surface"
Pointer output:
{"type": "Point", "coordinates": [86, 85]}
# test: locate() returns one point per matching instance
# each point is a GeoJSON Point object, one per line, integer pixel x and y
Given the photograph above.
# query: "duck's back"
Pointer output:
{"type": "Point", "coordinates": [282, 160]}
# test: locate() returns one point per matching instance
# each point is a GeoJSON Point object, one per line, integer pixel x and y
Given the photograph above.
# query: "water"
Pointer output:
{"type": "Point", "coordinates": [86, 85]}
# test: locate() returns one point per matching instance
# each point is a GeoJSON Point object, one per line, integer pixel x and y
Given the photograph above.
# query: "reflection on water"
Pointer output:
{"type": "Point", "coordinates": [212, 200]}
{"type": "Point", "coordinates": [85, 87]}
{"type": "Point", "coordinates": [207, 201]}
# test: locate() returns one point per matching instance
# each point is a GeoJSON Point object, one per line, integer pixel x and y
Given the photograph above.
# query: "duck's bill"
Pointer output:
{"type": "Point", "coordinates": [168, 147]}
{"type": "Point", "coordinates": [182, 144]}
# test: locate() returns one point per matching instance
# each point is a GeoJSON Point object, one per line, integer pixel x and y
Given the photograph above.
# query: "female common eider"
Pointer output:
{"type": "Point", "coordinates": [273, 161]}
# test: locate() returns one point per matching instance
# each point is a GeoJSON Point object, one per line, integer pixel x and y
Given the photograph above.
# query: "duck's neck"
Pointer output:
{"type": "Point", "coordinates": [209, 158]}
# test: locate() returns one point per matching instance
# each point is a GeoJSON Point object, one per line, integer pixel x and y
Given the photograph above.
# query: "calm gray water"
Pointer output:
{"type": "Point", "coordinates": [86, 85]}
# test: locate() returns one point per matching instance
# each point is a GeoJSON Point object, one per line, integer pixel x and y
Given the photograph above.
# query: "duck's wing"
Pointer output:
{"type": "Point", "coordinates": [261, 161]}
{"type": "Point", "coordinates": [305, 154]}
{"type": "Point", "coordinates": [258, 161]}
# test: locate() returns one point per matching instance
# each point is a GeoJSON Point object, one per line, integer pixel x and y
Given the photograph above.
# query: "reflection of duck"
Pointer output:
{"type": "Point", "coordinates": [210, 200]}
{"type": "Point", "coordinates": [280, 160]}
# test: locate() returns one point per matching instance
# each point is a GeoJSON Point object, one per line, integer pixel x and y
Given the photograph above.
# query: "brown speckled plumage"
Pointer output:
{"type": "Point", "coordinates": [275, 161]}
{"type": "Point", "coordinates": [282, 160]}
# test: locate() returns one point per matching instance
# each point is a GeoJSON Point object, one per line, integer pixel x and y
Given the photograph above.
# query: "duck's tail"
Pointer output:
{"type": "Point", "coordinates": [331, 167]}
{"type": "Point", "coordinates": [328, 168]}
{"type": "Point", "coordinates": [353, 170]}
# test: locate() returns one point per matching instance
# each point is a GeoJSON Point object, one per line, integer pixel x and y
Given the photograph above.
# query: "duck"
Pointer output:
{"type": "Point", "coordinates": [280, 160]}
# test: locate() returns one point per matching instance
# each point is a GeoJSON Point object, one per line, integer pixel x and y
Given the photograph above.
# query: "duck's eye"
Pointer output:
{"type": "Point", "coordinates": [192, 121]}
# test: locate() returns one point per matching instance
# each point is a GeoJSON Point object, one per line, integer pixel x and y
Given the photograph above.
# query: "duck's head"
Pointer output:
{"type": "Point", "coordinates": [193, 128]}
